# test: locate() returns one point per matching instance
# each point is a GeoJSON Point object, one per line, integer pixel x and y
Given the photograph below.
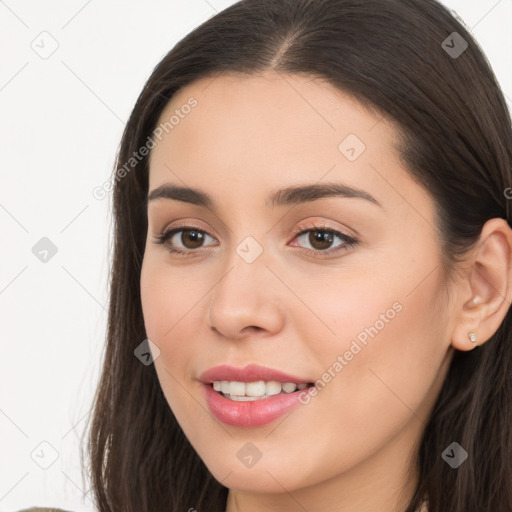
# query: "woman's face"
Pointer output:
{"type": "Point", "coordinates": [366, 321]}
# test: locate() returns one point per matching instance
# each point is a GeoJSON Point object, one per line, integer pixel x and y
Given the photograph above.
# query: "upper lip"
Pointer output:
{"type": "Point", "coordinates": [249, 373]}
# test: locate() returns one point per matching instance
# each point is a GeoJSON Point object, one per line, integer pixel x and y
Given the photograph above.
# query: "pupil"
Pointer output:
{"type": "Point", "coordinates": [193, 236]}
{"type": "Point", "coordinates": [322, 237]}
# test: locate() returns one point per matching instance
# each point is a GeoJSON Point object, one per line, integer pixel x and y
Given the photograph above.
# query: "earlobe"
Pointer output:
{"type": "Point", "coordinates": [468, 333]}
{"type": "Point", "coordinates": [489, 286]}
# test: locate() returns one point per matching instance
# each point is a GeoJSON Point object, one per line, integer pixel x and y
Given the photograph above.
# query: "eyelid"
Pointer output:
{"type": "Point", "coordinates": [322, 224]}
{"type": "Point", "coordinates": [188, 224]}
{"type": "Point", "coordinates": [348, 239]}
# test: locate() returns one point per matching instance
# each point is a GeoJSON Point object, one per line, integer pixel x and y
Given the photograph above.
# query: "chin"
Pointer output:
{"type": "Point", "coordinates": [267, 479]}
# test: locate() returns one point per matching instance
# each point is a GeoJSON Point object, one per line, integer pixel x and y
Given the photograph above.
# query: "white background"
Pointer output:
{"type": "Point", "coordinates": [61, 121]}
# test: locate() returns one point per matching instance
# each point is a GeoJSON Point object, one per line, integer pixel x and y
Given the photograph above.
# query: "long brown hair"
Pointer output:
{"type": "Point", "coordinates": [400, 59]}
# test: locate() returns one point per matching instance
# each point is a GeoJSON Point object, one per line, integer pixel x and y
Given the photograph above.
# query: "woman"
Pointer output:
{"type": "Point", "coordinates": [311, 275]}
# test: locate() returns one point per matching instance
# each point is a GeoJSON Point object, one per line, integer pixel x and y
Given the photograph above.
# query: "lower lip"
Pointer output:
{"type": "Point", "coordinates": [250, 414]}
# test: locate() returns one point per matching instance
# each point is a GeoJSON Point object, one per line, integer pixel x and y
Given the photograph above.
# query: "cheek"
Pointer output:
{"type": "Point", "coordinates": [166, 301]}
{"type": "Point", "coordinates": [381, 348]}
{"type": "Point", "coordinates": [385, 312]}
{"type": "Point", "coordinates": [168, 296]}
{"type": "Point", "coordinates": [169, 303]}
{"type": "Point", "coordinates": [174, 304]}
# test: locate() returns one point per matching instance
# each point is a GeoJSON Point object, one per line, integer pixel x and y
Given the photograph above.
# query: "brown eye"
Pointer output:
{"type": "Point", "coordinates": [320, 239]}
{"type": "Point", "coordinates": [183, 240]}
{"type": "Point", "coordinates": [192, 237]}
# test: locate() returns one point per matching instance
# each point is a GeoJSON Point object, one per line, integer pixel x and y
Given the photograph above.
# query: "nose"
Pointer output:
{"type": "Point", "coordinates": [248, 299]}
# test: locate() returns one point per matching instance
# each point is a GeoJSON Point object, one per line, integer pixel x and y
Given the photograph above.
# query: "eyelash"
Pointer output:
{"type": "Point", "coordinates": [349, 241]}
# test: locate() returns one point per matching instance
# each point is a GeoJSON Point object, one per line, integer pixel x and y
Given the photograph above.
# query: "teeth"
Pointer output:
{"type": "Point", "coordinates": [243, 398]}
{"type": "Point", "coordinates": [272, 388]}
{"type": "Point", "coordinates": [225, 386]}
{"type": "Point", "coordinates": [251, 389]}
{"type": "Point", "coordinates": [289, 387]}
{"type": "Point", "coordinates": [238, 388]}
{"type": "Point", "coordinates": [248, 391]}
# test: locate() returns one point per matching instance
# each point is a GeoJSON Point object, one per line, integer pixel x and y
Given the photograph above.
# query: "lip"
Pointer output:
{"type": "Point", "coordinates": [252, 413]}
{"type": "Point", "coordinates": [250, 373]}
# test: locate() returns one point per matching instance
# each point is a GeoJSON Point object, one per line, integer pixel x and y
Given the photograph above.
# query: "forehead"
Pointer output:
{"type": "Point", "coordinates": [289, 106]}
{"type": "Point", "coordinates": [272, 129]}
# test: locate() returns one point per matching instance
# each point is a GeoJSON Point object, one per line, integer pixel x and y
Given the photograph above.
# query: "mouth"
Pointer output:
{"type": "Point", "coordinates": [252, 396]}
{"type": "Point", "coordinates": [251, 411]}
{"type": "Point", "coordinates": [258, 390]}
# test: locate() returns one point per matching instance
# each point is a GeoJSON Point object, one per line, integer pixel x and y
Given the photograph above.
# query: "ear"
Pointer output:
{"type": "Point", "coordinates": [486, 291]}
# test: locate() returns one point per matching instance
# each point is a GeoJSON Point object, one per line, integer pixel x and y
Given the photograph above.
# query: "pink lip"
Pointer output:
{"type": "Point", "coordinates": [250, 373]}
{"type": "Point", "coordinates": [249, 414]}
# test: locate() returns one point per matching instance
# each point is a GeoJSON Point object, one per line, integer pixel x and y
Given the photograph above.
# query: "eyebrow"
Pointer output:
{"type": "Point", "coordinates": [292, 195]}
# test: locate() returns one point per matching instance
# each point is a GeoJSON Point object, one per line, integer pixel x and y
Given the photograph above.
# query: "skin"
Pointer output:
{"type": "Point", "coordinates": [350, 446]}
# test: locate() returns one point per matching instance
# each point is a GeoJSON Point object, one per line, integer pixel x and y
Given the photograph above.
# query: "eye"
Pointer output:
{"type": "Point", "coordinates": [320, 238]}
{"type": "Point", "coordinates": [191, 238]}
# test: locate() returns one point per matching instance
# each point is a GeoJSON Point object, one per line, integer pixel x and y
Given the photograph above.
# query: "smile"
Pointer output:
{"type": "Point", "coordinates": [251, 396]}
{"type": "Point", "coordinates": [250, 391]}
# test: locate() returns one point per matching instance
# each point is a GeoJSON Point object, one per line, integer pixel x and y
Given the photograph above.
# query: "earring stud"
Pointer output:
{"type": "Point", "coordinates": [472, 337]}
